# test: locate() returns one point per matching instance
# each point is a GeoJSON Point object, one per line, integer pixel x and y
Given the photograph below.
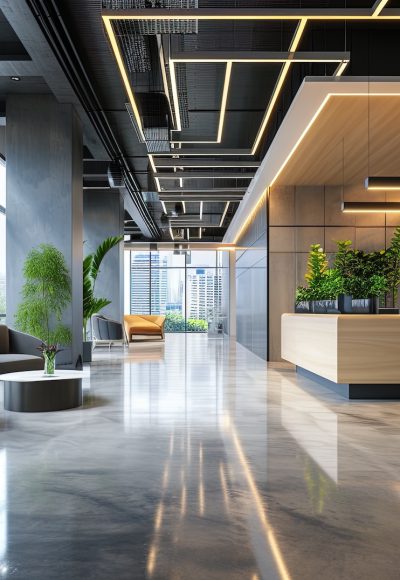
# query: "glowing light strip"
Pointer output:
{"type": "Point", "coordinates": [281, 79]}
{"type": "Point", "coordinates": [341, 68]}
{"type": "Point", "coordinates": [184, 206]}
{"type": "Point", "coordinates": [224, 214]}
{"type": "Point", "coordinates": [210, 153]}
{"type": "Point", "coordinates": [215, 164]}
{"type": "Point", "coordinates": [200, 233]}
{"type": "Point", "coordinates": [382, 183]}
{"type": "Point", "coordinates": [171, 234]}
{"type": "Point", "coordinates": [291, 58]}
{"type": "Point", "coordinates": [201, 210]}
{"type": "Point", "coordinates": [228, 72]}
{"type": "Point", "coordinates": [175, 95]}
{"type": "Point", "coordinates": [152, 163]}
{"type": "Point", "coordinates": [224, 100]}
{"type": "Point", "coordinates": [163, 71]}
{"type": "Point", "coordinates": [121, 66]}
{"type": "Point", "coordinates": [371, 207]}
{"type": "Point", "coordinates": [153, 167]}
{"type": "Point", "coordinates": [187, 233]}
{"type": "Point", "coordinates": [378, 7]}
{"type": "Point", "coordinates": [235, 14]}
{"type": "Point", "coordinates": [164, 206]}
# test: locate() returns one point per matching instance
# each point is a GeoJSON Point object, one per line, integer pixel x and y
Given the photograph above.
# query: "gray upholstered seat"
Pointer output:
{"type": "Point", "coordinates": [18, 351]}
{"type": "Point", "coordinates": [106, 331]}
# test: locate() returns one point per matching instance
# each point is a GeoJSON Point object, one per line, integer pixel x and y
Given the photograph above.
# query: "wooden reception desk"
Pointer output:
{"type": "Point", "coordinates": [357, 355]}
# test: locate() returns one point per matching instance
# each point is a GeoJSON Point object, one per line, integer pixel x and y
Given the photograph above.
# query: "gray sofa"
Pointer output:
{"type": "Point", "coordinates": [107, 331]}
{"type": "Point", "coordinates": [18, 351]}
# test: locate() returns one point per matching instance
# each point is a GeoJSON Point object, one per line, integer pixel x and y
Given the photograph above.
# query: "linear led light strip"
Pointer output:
{"type": "Point", "coordinates": [287, 61]}
{"type": "Point", "coordinates": [224, 214]}
{"type": "Point", "coordinates": [163, 71]}
{"type": "Point", "coordinates": [154, 169]}
{"type": "Point", "coordinates": [225, 90]}
{"type": "Point", "coordinates": [296, 145]}
{"type": "Point", "coordinates": [107, 17]}
{"type": "Point", "coordinates": [378, 7]}
{"type": "Point", "coordinates": [122, 70]}
{"type": "Point", "coordinates": [255, 14]}
{"type": "Point", "coordinates": [281, 79]}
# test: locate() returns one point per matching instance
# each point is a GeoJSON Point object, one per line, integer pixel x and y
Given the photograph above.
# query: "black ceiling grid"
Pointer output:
{"type": "Point", "coordinates": [76, 34]}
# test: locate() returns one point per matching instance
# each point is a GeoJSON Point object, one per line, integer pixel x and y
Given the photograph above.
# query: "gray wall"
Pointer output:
{"type": "Point", "coordinates": [301, 216]}
{"type": "Point", "coordinates": [251, 285]}
{"type": "Point", "coordinates": [103, 216]}
{"type": "Point", "coordinates": [44, 196]}
{"type": "Point", "coordinates": [2, 140]}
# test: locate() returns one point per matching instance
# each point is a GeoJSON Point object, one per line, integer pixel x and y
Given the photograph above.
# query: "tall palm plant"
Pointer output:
{"type": "Point", "coordinates": [91, 270]}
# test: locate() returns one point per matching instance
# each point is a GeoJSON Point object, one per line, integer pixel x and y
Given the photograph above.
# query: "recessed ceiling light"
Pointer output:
{"type": "Point", "coordinates": [15, 78]}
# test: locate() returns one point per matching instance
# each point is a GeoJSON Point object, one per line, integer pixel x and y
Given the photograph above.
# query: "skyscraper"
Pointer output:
{"type": "Point", "coordinates": [148, 285]}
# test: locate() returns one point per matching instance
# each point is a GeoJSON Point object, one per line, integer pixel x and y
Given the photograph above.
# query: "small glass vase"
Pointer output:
{"type": "Point", "coordinates": [49, 363]}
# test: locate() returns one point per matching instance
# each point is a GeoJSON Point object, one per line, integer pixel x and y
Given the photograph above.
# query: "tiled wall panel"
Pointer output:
{"type": "Point", "coordinates": [300, 216]}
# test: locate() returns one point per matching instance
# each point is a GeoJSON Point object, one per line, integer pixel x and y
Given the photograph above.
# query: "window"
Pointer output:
{"type": "Point", "coordinates": [185, 287]}
{"type": "Point", "coordinates": [2, 240]}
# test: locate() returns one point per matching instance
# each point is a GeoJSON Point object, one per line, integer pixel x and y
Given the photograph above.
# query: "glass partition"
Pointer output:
{"type": "Point", "coordinates": [186, 287]}
{"type": "Point", "coordinates": [2, 241]}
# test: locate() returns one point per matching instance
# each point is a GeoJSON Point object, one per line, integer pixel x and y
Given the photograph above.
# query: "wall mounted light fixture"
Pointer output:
{"type": "Point", "coordinates": [382, 183]}
{"type": "Point", "coordinates": [371, 207]}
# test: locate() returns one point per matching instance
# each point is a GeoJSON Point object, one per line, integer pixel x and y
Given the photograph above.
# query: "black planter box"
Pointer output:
{"type": "Point", "coordinates": [388, 310]}
{"type": "Point", "coordinates": [343, 305]}
{"type": "Point", "coordinates": [303, 307]}
{"type": "Point", "coordinates": [317, 307]}
{"type": "Point", "coordinates": [364, 306]}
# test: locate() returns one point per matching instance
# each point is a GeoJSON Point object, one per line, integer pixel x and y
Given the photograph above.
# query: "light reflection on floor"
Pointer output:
{"type": "Point", "coordinates": [194, 460]}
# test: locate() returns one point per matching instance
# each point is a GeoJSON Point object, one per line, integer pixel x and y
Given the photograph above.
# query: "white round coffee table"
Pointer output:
{"type": "Point", "coordinates": [34, 392]}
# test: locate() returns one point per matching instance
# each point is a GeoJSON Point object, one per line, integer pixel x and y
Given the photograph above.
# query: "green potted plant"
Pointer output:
{"type": "Point", "coordinates": [363, 275]}
{"type": "Point", "coordinates": [355, 283]}
{"type": "Point", "coordinates": [45, 295]}
{"type": "Point", "coordinates": [392, 271]}
{"type": "Point", "coordinates": [324, 285]}
{"type": "Point", "coordinates": [91, 304]}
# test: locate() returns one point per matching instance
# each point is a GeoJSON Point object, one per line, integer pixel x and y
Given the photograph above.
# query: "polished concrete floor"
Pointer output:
{"type": "Point", "coordinates": [194, 461]}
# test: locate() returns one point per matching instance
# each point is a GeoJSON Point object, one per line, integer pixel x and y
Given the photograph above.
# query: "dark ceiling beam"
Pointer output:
{"type": "Point", "coordinates": [203, 152]}
{"type": "Point", "coordinates": [205, 190]}
{"type": "Point", "coordinates": [204, 175]}
{"type": "Point", "coordinates": [21, 68]}
{"type": "Point", "coordinates": [165, 162]}
{"type": "Point", "coordinates": [202, 197]}
{"type": "Point", "coordinates": [94, 168]}
{"type": "Point", "coordinates": [248, 13]}
{"type": "Point", "coordinates": [254, 56]}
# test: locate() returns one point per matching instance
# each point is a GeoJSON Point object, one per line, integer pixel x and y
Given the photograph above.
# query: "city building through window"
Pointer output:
{"type": "Point", "coordinates": [185, 287]}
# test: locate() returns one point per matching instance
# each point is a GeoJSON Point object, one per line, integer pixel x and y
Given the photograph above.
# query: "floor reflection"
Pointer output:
{"type": "Point", "coordinates": [203, 463]}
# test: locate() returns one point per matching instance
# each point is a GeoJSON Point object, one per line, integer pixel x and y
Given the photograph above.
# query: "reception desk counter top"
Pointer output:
{"type": "Point", "coordinates": [346, 349]}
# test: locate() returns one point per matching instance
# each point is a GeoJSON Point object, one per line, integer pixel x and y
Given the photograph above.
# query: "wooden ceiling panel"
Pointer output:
{"type": "Point", "coordinates": [352, 137]}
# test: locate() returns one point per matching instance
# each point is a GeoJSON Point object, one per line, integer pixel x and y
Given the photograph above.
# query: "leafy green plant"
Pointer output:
{"type": "Point", "coordinates": [91, 270]}
{"type": "Point", "coordinates": [45, 295]}
{"type": "Point", "coordinates": [356, 273]}
{"type": "Point", "coordinates": [175, 322]}
{"type": "Point", "coordinates": [393, 265]}
{"type": "Point", "coordinates": [363, 273]}
{"type": "Point", "coordinates": [317, 264]}
{"type": "Point", "coordinates": [328, 287]}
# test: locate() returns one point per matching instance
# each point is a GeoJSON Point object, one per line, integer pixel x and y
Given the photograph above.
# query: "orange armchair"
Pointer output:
{"type": "Point", "coordinates": [144, 324]}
